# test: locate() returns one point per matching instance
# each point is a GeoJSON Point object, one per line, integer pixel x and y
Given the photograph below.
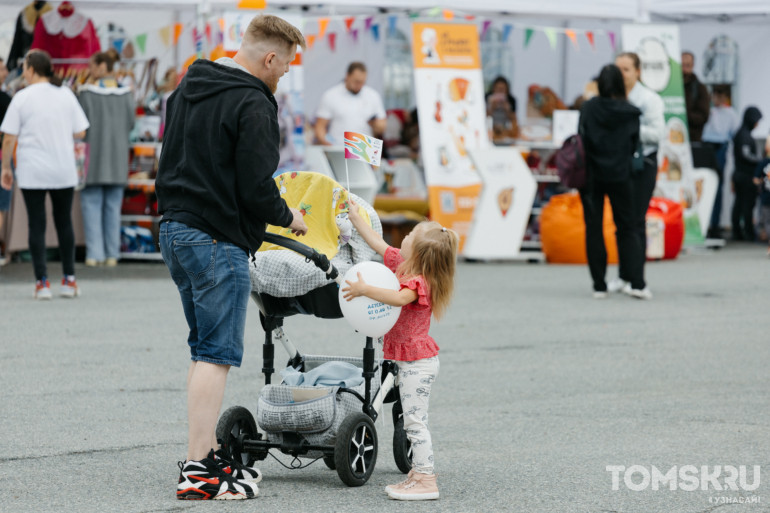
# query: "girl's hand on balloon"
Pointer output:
{"type": "Point", "coordinates": [354, 288]}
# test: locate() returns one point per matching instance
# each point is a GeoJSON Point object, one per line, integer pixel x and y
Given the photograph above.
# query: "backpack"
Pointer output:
{"type": "Point", "coordinates": [571, 163]}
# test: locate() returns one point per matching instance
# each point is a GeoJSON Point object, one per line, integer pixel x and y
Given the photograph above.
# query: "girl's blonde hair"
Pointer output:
{"type": "Point", "coordinates": [434, 255]}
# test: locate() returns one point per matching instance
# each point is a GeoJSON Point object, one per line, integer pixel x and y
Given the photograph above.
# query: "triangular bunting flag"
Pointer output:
{"type": "Point", "coordinates": [507, 29]}
{"type": "Point", "coordinates": [322, 23]}
{"type": "Point", "coordinates": [368, 23]}
{"type": "Point", "coordinates": [572, 37]}
{"type": "Point", "coordinates": [434, 12]}
{"type": "Point", "coordinates": [550, 33]}
{"type": "Point", "coordinates": [118, 44]}
{"type": "Point", "coordinates": [165, 34]}
{"type": "Point", "coordinates": [392, 20]}
{"type": "Point", "coordinates": [448, 15]}
{"type": "Point", "coordinates": [178, 28]}
{"type": "Point", "coordinates": [527, 36]}
{"type": "Point", "coordinates": [590, 37]}
{"type": "Point", "coordinates": [333, 41]}
{"type": "Point", "coordinates": [310, 40]}
{"type": "Point", "coordinates": [354, 33]}
{"type": "Point", "coordinates": [376, 31]}
{"type": "Point", "coordinates": [414, 15]}
{"type": "Point", "coordinates": [612, 40]}
{"type": "Point", "coordinates": [221, 22]}
{"type": "Point", "coordinates": [141, 42]}
{"type": "Point", "coordinates": [469, 17]}
{"type": "Point", "coordinates": [485, 27]}
{"type": "Point", "coordinates": [208, 33]}
{"type": "Point", "coordinates": [349, 23]}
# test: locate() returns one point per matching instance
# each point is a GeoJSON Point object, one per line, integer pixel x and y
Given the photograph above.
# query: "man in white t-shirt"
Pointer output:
{"type": "Point", "coordinates": [350, 106]}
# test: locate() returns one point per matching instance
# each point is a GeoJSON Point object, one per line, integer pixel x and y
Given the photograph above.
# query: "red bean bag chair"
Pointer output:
{"type": "Point", "coordinates": [665, 229]}
{"type": "Point", "coordinates": [563, 231]}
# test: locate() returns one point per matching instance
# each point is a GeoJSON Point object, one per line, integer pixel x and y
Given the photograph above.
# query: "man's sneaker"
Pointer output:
{"type": "Point", "coordinates": [237, 469]}
{"type": "Point", "coordinates": [418, 487]}
{"type": "Point", "coordinates": [600, 294]}
{"type": "Point", "coordinates": [616, 285]}
{"type": "Point", "coordinates": [69, 287]}
{"type": "Point", "coordinates": [644, 293]}
{"type": "Point", "coordinates": [400, 485]}
{"type": "Point", "coordinates": [204, 480]}
{"type": "Point", "coordinates": [43, 289]}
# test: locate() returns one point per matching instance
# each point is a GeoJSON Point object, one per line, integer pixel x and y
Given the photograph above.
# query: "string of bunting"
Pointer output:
{"type": "Point", "coordinates": [319, 28]}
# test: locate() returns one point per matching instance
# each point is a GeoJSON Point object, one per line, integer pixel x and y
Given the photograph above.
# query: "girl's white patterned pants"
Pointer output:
{"type": "Point", "coordinates": [415, 380]}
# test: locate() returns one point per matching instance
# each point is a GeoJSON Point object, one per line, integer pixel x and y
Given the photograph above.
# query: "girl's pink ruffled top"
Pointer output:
{"type": "Point", "coordinates": [408, 340]}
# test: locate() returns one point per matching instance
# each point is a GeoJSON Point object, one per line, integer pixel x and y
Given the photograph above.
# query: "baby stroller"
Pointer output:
{"type": "Point", "coordinates": [334, 423]}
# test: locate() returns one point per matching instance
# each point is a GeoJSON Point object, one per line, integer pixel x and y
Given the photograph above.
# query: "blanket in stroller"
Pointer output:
{"type": "Point", "coordinates": [324, 204]}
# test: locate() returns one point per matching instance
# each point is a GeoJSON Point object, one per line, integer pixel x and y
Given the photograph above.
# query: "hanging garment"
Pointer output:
{"type": "Point", "coordinates": [25, 30]}
{"type": "Point", "coordinates": [66, 34]}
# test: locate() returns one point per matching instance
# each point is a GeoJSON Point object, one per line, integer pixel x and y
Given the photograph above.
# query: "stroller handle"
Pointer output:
{"type": "Point", "coordinates": [320, 260]}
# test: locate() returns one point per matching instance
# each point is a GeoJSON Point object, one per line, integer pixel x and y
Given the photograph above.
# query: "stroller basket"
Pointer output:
{"type": "Point", "coordinates": [301, 409]}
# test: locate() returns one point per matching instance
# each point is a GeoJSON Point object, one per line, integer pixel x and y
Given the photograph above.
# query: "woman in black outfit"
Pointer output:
{"type": "Point", "coordinates": [747, 157]}
{"type": "Point", "coordinates": [609, 127]}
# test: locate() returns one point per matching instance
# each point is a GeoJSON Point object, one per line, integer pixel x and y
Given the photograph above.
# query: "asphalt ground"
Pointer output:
{"type": "Point", "coordinates": [541, 389]}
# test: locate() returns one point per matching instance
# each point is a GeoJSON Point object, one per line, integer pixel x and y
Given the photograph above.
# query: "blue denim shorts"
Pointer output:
{"type": "Point", "coordinates": [214, 284]}
{"type": "Point", "coordinates": [5, 199]}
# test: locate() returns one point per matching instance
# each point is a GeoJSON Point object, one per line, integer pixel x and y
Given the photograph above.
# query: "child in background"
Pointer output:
{"type": "Point", "coordinates": [425, 267]}
{"type": "Point", "coordinates": [762, 178]}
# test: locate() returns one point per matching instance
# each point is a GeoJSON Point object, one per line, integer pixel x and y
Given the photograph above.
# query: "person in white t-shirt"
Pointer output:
{"type": "Point", "coordinates": [350, 106]}
{"type": "Point", "coordinates": [45, 119]}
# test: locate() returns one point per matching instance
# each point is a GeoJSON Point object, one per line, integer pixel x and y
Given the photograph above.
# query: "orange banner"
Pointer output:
{"type": "Point", "coordinates": [453, 207]}
{"type": "Point", "coordinates": [442, 45]}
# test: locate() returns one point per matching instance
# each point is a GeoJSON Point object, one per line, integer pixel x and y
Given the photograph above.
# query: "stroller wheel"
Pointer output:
{"type": "Point", "coordinates": [329, 460]}
{"type": "Point", "coordinates": [234, 427]}
{"type": "Point", "coordinates": [402, 447]}
{"type": "Point", "coordinates": [355, 452]}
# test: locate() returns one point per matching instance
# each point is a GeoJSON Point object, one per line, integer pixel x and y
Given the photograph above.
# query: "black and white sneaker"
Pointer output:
{"type": "Point", "coordinates": [236, 469]}
{"type": "Point", "coordinates": [205, 480]}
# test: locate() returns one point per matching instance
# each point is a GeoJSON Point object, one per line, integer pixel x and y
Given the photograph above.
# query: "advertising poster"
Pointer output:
{"type": "Point", "coordinates": [504, 205]}
{"type": "Point", "coordinates": [450, 103]}
{"type": "Point", "coordinates": [660, 54]}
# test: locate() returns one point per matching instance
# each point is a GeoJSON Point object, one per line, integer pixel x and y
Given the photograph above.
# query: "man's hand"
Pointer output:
{"type": "Point", "coordinates": [297, 226]}
{"type": "Point", "coordinates": [6, 179]}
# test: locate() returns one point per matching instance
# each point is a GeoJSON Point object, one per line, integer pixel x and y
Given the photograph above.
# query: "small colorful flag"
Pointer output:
{"type": "Point", "coordinates": [363, 147]}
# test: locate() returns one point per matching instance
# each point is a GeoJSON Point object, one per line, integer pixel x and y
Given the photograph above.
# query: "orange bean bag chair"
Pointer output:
{"type": "Point", "coordinates": [665, 229]}
{"type": "Point", "coordinates": [563, 231]}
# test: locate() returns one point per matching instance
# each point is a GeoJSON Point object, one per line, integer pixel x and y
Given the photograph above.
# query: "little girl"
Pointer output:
{"type": "Point", "coordinates": [425, 267]}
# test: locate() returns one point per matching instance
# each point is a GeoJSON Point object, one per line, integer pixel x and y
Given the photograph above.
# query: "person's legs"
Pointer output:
{"type": "Point", "coordinates": [747, 213]}
{"type": "Point", "coordinates": [621, 200]}
{"type": "Point", "coordinates": [214, 285]}
{"type": "Point", "coordinates": [91, 198]}
{"type": "Point", "coordinates": [34, 199]}
{"type": "Point", "coordinates": [113, 202]}
{"type": "Point", "coordinates": [720, 150]}
{"type": "Point", "coordinates": [738, 207]}
{"type": "Point", "coordinates": [62, 218]}
{"type": "Point", "coordinates": [592, 199]}
{"type": "Point", "coordinates": [415, 380]}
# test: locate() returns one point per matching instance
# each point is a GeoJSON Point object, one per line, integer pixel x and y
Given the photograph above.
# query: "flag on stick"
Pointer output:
{"type": "Point", "coordinates": [361, 147]}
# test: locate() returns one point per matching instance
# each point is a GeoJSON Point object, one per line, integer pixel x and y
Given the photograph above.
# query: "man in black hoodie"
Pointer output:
{"type": "Point", "coordinates": [216, 193]}
{"type": "Point", "coordinates": [747, 157]}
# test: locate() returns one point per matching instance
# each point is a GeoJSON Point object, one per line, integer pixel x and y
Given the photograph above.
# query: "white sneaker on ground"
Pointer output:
{"type": "Point", "coordinates": [600, 294]}
{"type": "Point", "coordinates": [43, 289]}
{"type": "Point", "coordinates": [644, 293]}
{"type": "Point", "coordinates": [69, 287]}
{"type": "Point", "coordinates": [616, 285]}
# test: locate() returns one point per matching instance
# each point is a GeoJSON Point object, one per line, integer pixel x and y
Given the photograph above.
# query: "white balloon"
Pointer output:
{"type": "Point", "coordinates": [369, 317]}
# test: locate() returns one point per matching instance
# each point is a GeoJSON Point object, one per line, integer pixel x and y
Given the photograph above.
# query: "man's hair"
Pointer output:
{"type": "Point", "coordinates": [269, 28]}
{"type": "Point", "coordinates": [356, 66]}
{"type": "Point", "coordinates": [634, 58]}
{"type": "Point", "coordinates": [722, 89]}
{"type": "Point", "coordinates": [687, 52]}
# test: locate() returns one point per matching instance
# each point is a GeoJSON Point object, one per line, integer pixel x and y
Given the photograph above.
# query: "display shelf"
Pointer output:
{"type": "Point", "coordinates": [155, 257]}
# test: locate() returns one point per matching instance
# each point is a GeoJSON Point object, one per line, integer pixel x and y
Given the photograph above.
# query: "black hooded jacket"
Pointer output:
{"type": "Point", "coordinates": [610, 132]}
{"type": "Point", "coordinates": [744, 147]}
{"type": "Point", "coordinates": [220, 150]}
